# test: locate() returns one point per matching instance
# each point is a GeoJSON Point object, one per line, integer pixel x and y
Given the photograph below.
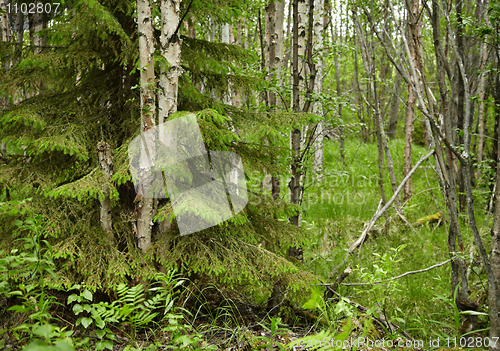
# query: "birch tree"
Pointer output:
{"type": "Point", "coordinates": [298, 64]}
{"type": "Point", "coordinates": [414, 35]}
{"type": "Point", "coordinates": [170, 41]}
{"type": "Point", "coordinates": [427, 104]}
{"type": "Point", "coordinates": [144, 203]}
{"type": "Point", "coordinates": [481, 92]}
{"type": "Point", "coordinates": [275, 12]}
{"type": "Point", "coordinates": [4, 21]}
{"type": "Point", "coordinates": [106, 163]}
{"type": "Point", "coordinates": [369, 65]}
{"type": "Point", "coordinates": [321, 16]}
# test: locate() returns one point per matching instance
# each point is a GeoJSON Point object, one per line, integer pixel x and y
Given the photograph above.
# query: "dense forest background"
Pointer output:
{"type": "Point", "coordinates": [368, 138]}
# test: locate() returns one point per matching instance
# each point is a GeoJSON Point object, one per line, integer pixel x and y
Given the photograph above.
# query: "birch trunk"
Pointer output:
{"type": "Point", "coordinates": [393, 114]}
{"type": "Point", "coordinates": [454, 233]}
{"type": "Point", "coordinates": [458, 94]}
{"type": "Point", "coordinates": [274, 40]}
{"type": "Point", "coordinates": [5, 21]}
{"type": "Point", "coordinates": [144, 203]}
{"type": "Point", "coordinates": [484, 57]}
{"type": "Point", "coordinates": [19, 29]}
{"type": "Point", "coordinates": [288, 50]}
{"type": "Point", "coordinates": [318, 48]}
{"type": "Point", "coordinates": [275, 12]}
{"type": "Point", "coordinates": [38, 24]}
{"type": "Point", "coordinates": [299, 40]}
{"type": "Point", "coordinates": [4, 36]}
{"type": "Point", "coordinates": [494, 306]}
{"type": "Point", "coordinates": [339, 95]}
{"type": "Point", "coordinates": [106, 163]}
{"type": "Point", "coordinates": [414, 32]}
{"type": "Point", "coordinates": [357, 89]}
{"type": "Point", "coordinates": [394, 111]}
{"type": "Point", "coordinates": [369, 64]}
{"type": "Point", "coordinates": [235, 91]}
{"type": "Point", "coordinates": [168, 84]}
{"type": "Point", "coordinates": [171, 50]}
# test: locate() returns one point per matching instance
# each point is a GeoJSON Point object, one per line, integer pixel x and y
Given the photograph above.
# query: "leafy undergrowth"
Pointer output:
{"type": "Point", "coordinates": [39, 314]}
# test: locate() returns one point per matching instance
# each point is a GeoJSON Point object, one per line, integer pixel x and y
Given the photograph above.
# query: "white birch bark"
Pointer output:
{"type": "Point", "coordinates": [318, 49]}
{"type": "Point", "coordinates": [171, 51]}
{"type": "Point", "coordinates": [298, 62]}
{"type": "Point", "coordinates": [275, 42]}
{"type": "Point", "coordinates": [484, 57]}
{"type": "Point", "coordinates": [169, 77]}
{"type": "Point", "coordinates": [144, 204]}
{"type": "Point", "coordinates": [225, 38]}
{"type": "Point", "coordinates": [235, 92]}
{"type": "Point", "coordinates": [4, 36]}
{"type": "Point", "coordinates": [38, 40]}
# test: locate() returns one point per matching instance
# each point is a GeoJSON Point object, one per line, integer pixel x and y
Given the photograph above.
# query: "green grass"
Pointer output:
{"type": "Point", "coordinates": [336, 209]}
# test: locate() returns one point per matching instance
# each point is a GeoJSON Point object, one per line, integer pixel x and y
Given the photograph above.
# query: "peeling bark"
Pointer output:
{"type": "Point", "coordinates": [144, 204]}
{"type": "Point", "coordinates": [170, 41]}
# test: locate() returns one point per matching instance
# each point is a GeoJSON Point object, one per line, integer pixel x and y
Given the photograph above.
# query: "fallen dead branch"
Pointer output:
{"type": "Point", "coordinates": [390, 279]}
{"type": "Point", "coordinates": [379, 213]}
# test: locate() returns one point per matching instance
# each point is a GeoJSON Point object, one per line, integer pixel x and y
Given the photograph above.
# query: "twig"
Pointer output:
{"type": "Point", "coordinates": [403, 218]}
{"type": "Point", "coordinates": [393, 278]}
{"type": "Point", "coordinates": [174, 37]}
{"type": "Point", "coordinates": [369, 226]}
{"type": "Point", "coordinates": [412, 196]}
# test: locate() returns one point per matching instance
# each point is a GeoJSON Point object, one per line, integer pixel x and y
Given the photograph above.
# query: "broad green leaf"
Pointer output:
{"type": "Point", "coordinates": [86, 322]}
{"type": "Point", "coordinates": [72, 298]}
{"type": "Point", "coordinates": [100, 333]}
{"type": "Point", "coordinates": [77, 309]}
{"type": "Point", "coordinates": [87, 294]}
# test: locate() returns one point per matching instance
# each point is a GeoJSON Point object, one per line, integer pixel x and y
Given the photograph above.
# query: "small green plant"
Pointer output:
{"type": "Point", "coordinates": [382, 287]}
{"type": "Point", "coordinates": [135, 309]}
{"type": "Point", "coordinates": [330, 314]}
{"type": "Point", "coordinates": [274, 329]}
{"type": "Point", "coordinates": [51, 338]}
{"type": "Point", "coordinates": [26, 273]}
{"type": "Point", "coordinates": [99, 314]}
{"type": "Point", "coordinates": [31, 262]}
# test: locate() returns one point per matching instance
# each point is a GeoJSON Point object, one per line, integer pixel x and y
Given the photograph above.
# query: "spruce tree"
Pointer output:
{"type": "Point", "coordinates": [60, 135]}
